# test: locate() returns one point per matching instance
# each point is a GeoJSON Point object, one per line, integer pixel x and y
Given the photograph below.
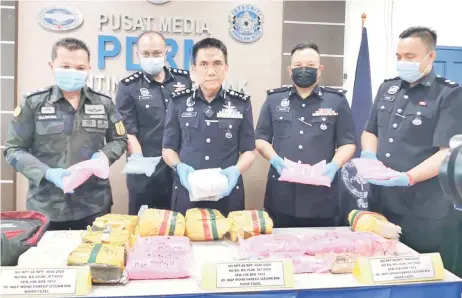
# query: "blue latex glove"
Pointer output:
{"type": "Point", "coordinates": [278, 163]}
{"type": "Point", "coordinates": [401, 180]}
{"type": "Point", "coordinates": [56, 176]}
{"type": "Point", "coordinates": [331, 170]}
{"type": "Point", "coordinates": [368, 154]}
{"type": "Point", "coordinates": [232, 173]}
{"type": "Point", "coordinates": [183, 171]}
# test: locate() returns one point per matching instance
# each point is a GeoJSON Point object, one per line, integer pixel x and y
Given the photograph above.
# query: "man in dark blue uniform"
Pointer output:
{"type": "Point", "coordinates": [209, 128]}
{"type": "Point", "coordinates": [142, 99]}
{"type": "Point", "coordinates": [411, 122]}
{"type": "Point", "coordinates": [304, 123]}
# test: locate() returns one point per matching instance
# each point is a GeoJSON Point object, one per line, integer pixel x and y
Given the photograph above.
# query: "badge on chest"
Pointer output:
{"type": "Point", "coordinates": [145, 95]}
{"type": "Point", "coordinates": [230, 112]}
{"type": "Point", "coordinates": [95, 110]}
{"type": "Point", "coordinates": [325, 112]}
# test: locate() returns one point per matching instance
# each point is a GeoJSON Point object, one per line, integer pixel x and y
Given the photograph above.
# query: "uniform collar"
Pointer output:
{"type": "Point", "coordinates": [426, 81]}
{"type": "Point", "coordinates": [168, 76]}
{"type": "Point", "coordinates": [317, 91]}
{"type": "Point", "coordinates": [200, 95]}
{"type": "Point", "coordinates": [56, 94]}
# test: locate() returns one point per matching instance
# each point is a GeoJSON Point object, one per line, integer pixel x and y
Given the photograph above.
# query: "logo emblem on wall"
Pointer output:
{"type": "Point", "coordinates": [59, 18]}
{"type": "Point", "coordinates": [246, 23]}
{"type": "Point", "coordinates": [158, 1]}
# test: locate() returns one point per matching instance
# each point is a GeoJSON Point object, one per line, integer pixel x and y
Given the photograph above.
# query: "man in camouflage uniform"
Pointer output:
{"type": "Point", "coordinates": [59, 126]}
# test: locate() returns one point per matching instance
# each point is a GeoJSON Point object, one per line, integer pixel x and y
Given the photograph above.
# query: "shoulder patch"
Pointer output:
{"type": "Point", "coordinates": [446, 82]}
{"type": "Point", "coordinates": [177, 71]}
{"type": "Point", "coordinates": [280, 89]}
{"type": "Point", "coordinates": [334, 90]}
{"type": "Point", "coordinates": [37, 92]}
{"type": "Point", "coordinates": [99, 93]}
{"type": "Point", "coordinates": [392, 79]}
{"type": "Point", "coordinates": [132, 78]}
{"type": "Point", "coordinates": [179, 94]}
{"type": "Point", "coordinates": [236, 94]}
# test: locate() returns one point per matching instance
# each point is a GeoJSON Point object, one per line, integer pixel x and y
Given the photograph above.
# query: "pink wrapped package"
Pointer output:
{"type": "Point", "coordinates": [82, 171]}
{"type": "Point", "coordinates": [303, 264]}
{"type": "Point", "coordinates": [159, 265]}
{"type": "Point", "coordinates": [263, 245]}
{"type": "Point", "coordinates": [178, 244]}
{"type": "Point", "coordinates": [373, 169]}
{"type": "Point", "coordinates": [305, 173]}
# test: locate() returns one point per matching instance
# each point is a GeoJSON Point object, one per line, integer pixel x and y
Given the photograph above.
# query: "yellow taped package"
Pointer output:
{"type": "Point", "coordinates": [206, 224]}
{"type": "Point", "coordinates": [157, 222]}
{"type": "Point", "coordinates": [367, 221]}
{"type": "Point", "coordinates": [249, 223]}
{"type": "Point", "coordinates": [115, 237]}
{"type": "Point", "coordinates": [116, 222]}
{"type": "Point", "coordinates": [107, 261]}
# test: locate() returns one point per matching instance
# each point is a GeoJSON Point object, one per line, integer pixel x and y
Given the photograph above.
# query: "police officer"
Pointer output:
{"type": "Point", "coordinates": [142, 99]}
{"type": "Point", "coordinates": [409, 128]}
{"type": "Point", "coordinates": [59, 126]}
{"type": "Point", "coordinates": [304, 123]}
{"type": "Point", "coordinates": [209, 128]}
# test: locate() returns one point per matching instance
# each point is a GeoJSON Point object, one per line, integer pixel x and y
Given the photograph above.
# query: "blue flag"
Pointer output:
{"type": "Point", "coordinates": [362, 91]}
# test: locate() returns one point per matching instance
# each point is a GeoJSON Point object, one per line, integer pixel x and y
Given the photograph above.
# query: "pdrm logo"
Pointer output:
{"type": "Point", "coordinates": [59, 18]}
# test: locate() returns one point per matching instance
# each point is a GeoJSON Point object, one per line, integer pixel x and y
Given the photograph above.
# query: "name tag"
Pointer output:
{"type": "Point", "coordinates": [47, 110]}
{"type": "Point", "coordinates": [47, 117]}
{"type": "Point", "coordinates": [229, 114]}
{"type": "Point", "coordinates": [389, 98]}
{"type": "Point", "coordinates": [102, 124]}
{"type": "Point", "coordinates": [282, 109]}
{"type": "Point", "coordinates": [89, 123]}
{"type": "Point", "coordinates": [146, 97]}
{"type": "Point", "coordinates": [188, 114]}
{"type": "Point", "coordinates": [97, 116]}
{"type": "Point", "coordinates": [94, 109]}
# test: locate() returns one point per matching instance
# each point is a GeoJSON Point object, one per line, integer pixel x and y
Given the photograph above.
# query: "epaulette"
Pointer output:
{"type": "Point", "coordinates": [236, 94]}
{"type": "Point", "coordinates": [179, 71]}
{"type": "Point", "coordinates": [392, 79]}
{"type": "Point", "coordinates": [37, 92]}
{"type": "Point", "coordinates": [277, 90]}
{"type": "Point", "coordinates": [446, 81]}
{"type": "Point", "coordinates": [132, 78]}
{"type": "Point", "coordinates": [99, 93]}
{"type": "Point", "coordinates": [334, 90]}
{"type": "Point", "coordinates": [180, 93]}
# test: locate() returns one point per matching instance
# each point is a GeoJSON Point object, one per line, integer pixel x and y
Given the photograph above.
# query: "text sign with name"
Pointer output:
{"type": "Point", "coordinates": [250, 274]}
{"type": "Point", "coordinates": [38, 281]}
{"type": "Point", "coordinates": [402, 268]}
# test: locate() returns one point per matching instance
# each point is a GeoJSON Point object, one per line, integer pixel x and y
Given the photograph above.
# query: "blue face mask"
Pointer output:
{"type": "Point", "coordinates": [410, 71]}
{"type": "Point", "coordinates": [70, 80]}
{"type": "Point", "coordinates": [152, 66]}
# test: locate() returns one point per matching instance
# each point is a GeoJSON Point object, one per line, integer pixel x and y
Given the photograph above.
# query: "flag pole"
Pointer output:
{"type": "Point", "coordinates": [363, 19]}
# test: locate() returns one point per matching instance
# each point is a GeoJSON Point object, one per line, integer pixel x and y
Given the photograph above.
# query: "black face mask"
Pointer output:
{"type": "Point", "coordinates": [304, 77]}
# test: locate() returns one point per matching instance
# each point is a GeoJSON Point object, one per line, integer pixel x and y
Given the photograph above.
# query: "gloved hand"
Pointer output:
{"type": "Point", "coordinates": [331, 170]}
{"type": "Point", "coordinates": [183, 171]}
{"type": "Point", "coordinates": [56, 175]}
{"type": "Point", "coordinates": [368, 155]}
{"type": "Point", "coordinates": [278, 163]}
{"type": "Point", "coordinates": [232, 173]}
{"type": "Point", "coordinates": [401, 180]}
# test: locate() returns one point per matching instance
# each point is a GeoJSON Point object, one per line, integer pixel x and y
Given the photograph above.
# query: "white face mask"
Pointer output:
{"type": "Point", "coordinates": [152, 66]}
{"type": "Point", "coordinates": [410, 71]}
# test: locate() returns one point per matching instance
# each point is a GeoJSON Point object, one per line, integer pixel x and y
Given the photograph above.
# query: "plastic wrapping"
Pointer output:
{"type": "Point", "coordinates": [206, 224]}
{"type": "Point", "coordinates": [305, 173]}
{"type": "Point", "coordinates": [80, 172]}
{"type": "Point", "coordinates": [106, 261]}
{"type": "Point", "coordinates": [157, 222]}
{"type": "Point", "coordinates": [116, 222]}
{"type": "Point", "coordinates": [141, 165]}
{"type": "Point", "coordinates": [179, 244]}
{"type": "Point", "coordinates": [264, 245]}
{"type": "Point", "coordinates": [249, 223]}
{"type": "Point", "coordinates": [207, 185]}
{"type": "Point", "coordinates": [373, 169]}
{"type": "Point", "coordinates": [115, 237]}
{"type": "Point", "coordinates": [366, 221]}
{"type": "Point", "coordinates": [302, 263]}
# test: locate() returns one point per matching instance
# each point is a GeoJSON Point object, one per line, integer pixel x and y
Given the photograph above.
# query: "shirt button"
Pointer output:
{"type": "Point", "coordinates": [300, 147]}
{"type": "Point", "coordinates": [230, 126]}
{"type": "Point", "coordinates": [303, 105]}
{"type": "Point", "coordinates": [400, 110]}
{"type": "Point", "coordinates": [162, 86]}
{"type": "Point", "coordinates": [280, 118]}
{"type": "Point", "coordinates": [301, 132]}
{"type": "Point", "coordinates": [208, 140]}
{"type": "Point", "coordinates": [237, 187]}
{"type": "Point", "coordinates": [302, 118]}
{"type": "Point", "coordinates": [382, 107]}
{"type": "Point", "coordinates": [147, 106]}
{"type": "Point", "coordinates": [406, 97]}
{"type": "Point", "coordinates": [166, 100]}
{"type": "Point", "coordinates": [395, 125]}
{"type": "Point", "coordinates": [208, 123]}
{"type": "Point", "coordinates": [176, 187]}
{"type": "Point", "coordinates": [419, 113]}
{"type": "Point", "coordinates": [207, 157]}
{"type": "Point", "coordinates": [390, 140]}
{"type": "Point", "coordinates": [299, 161]}
{"type": "Point", "coordinates": [274, 176]}
{"type": "Point", "coordinates": [387, 154]}
{"type": "Point", "coordinates": [187, 124]}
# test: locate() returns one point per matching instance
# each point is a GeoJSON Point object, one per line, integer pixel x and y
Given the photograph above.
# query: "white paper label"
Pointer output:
{"type": "Point", "coordinates": [37, 281]}
{"type": "Point", "coordinates": [250, 274]}
{"type": "Point", "coordinates": [402, 268]}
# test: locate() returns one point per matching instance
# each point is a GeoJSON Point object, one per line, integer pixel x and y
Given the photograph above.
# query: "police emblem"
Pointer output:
{"type": "Point", "coordinates": [246, 23]}
{"type": "Point", "coordinates": [285, 102]}
{"type": "Point", "coordinates": [144, 91]}
{"type": "Point", "coordinates": [393, 89]}
{"type": "Point", "coordinates": [59, 18]}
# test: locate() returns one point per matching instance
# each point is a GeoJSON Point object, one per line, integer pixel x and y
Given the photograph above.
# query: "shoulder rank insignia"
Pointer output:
{"type": "Point", "coordinates": [280, 89]}
{"type": "Point", "coordinates": [182, 92]}
{"type": "Point", "coordinates": [334, 90]}
{"type": "Point", "coordinates": [446, 81]}
{"type": "Point", "coordinates": [392, 79]}
{"type": "Point", "coordinates": [120, 128]}
{"type": "Point", "coordinates": [179, 71]}
{"type": "Point", "coordinates": [39, 91]}
{"type": "Point", "coordinates": [236, 94]}
{"type": "Point", "coordinates": [99, 93]}
{"type": "Point", "coordinates": [132, 78]}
